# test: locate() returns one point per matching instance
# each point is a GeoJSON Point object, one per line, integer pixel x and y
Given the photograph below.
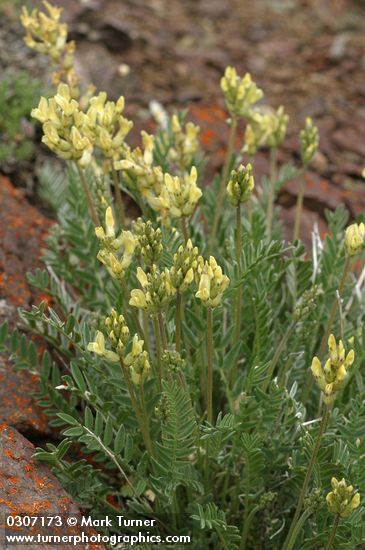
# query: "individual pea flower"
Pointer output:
{"type": "Point", "coordinates": [47, 35]}
{"type": "Point", "coordinates": [309, 141]}
{"type": "Point", "coordinates": [185, 264]}
{"type": "Point", "coordinates": [106, 125]}
{"type": "Point", "coordinates": [138, 362]}
{"type": "Point", "coordinates": [116, 253]}
{"type": "Point", "coordinates": [157, 290]}
{"type": "Point", "coordinates": [331, 377]}
{"type": "Point", "coordinates": [266, 128]}
{"type": "Point", "coordinates": [63, 127]}
{"type": "Point", "coordinates": [212, 284]}
{"type": "Point", "coordinates": [118, 332]}
{"type": "Point", "coordinates": [240, 93]}
{"type": "Point", "coordinates": [185, 143]}
{"type": "Point", "coordinates": [182, 195]}
{"type": "Point", "coordinates": [354, 238]}
{"type": "Point", "coordinates": [149, 241]}
{"type": "Point", "coordinates": [159, 114]}
{"type": "Point", "coordinates": [140, 174]}
{"type": "Point", "coordinates": [343, 499]}
{"type": "Point", "coordinates": [240, 185]}
{"type": "Point", "coordinates": [98, 347]}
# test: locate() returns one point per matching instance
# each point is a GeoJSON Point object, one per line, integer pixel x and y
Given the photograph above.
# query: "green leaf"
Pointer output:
{"type": "Point", "coordinates": [68, 419]}
{"type": "Point", "coordinates": [73, 432]}
{"type": "Point", "coordinates": [78, 377]}
{"type": "Point", "coordinates": [89, 418]}
{"type": "Point", "coordinates": [119, 440]}
{"type": "Point", "coordinates": [108, 432]}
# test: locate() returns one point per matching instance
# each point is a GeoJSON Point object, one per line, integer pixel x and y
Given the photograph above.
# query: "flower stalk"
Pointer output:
{"type": "Point", "coordinates": [210, 351]}
{"type": "Point", "coordinates": [178, 321]}
{"type": "Point", "coordinates": [137, 412]}
{"type": "Point", "coordinates": [299, 207]}
{"type": "Point", "coordinates": [85, 186]}
{"type": "Point", "coordinates": [308, 475]}
{"type": "Point", "coordinates": [118, 197]}
{"type": "Point", "coordinates": [271, 193]}
{"type": "Point", "coordinates": [332, 536]}
{"type": "Point", "coordinates": [223, 182]}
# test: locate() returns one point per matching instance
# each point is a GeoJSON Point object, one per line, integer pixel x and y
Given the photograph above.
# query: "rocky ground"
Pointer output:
{"type": "Point", "coordinates": [306, 54]}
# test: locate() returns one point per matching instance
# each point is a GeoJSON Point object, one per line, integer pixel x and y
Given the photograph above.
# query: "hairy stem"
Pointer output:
{"type": "Point", "coordinates": [118, 196]}
{"type": "Point", "coordinates": [333, 532]}
{"type": "Point", "coordinates": [332, 315]}
{"type": "Point", "coordinates": [271, 194]}
{"type": "Point", "coordinates": [238, 297]}
{"type": "Point", "coordinates": [299, 207]}
{"type": "Point", "coordinates": [277, 354]}
{"type": "Point", "coordinates": [331, 318]}
{"type": "Point", "coordinates": [218, 210]}
{"type": "Point", "coordinates": [246, 526]}
{"type": "Point", "coordinates": [158, 352]}
{"type": "Point", "coordinates": [308, 474]}
{"type": "Point", "coordinates": [184, 228]}
{"type": "Point", "coordinates": [85, 185]}
{"type": "Point", "coordinates": [137, 412]}
{"type": "Point", "coordinates": [301, 521]}
{"type": "Point", "coordinates": [178, 321]}
{"type": "Point", "coordinates": [210, 365]}
{"type": "Point", "coordinates": [162, 330]}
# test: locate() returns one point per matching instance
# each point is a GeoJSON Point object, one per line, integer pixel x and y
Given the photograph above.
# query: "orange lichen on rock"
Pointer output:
{"type": "Point", "coordinates": [37, 491]}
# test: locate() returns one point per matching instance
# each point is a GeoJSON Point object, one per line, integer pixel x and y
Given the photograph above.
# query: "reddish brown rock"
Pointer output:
{"type": "Point", "coordinates": [17, 405]}
{"type": "Point", "coordinates": [22, 232]}
{"type": "Point", "coordinates": [27, 487]}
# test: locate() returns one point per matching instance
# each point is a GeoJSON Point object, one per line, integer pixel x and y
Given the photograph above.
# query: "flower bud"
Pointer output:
{"type": "Point", "coordinates": [240, 185]}
{"type": "Point", "coordinates": [354, 238]}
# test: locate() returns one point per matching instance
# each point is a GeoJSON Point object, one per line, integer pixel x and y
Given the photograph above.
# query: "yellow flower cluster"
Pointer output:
{"type": "Point", "coordinates": [149, 242]}
{"type": "Point", "coordinates": [72, 134]}
{"type": "Point", "coordinates": [106, 126]}
{"type": "Point", "coordinates": [118, 332]}
{"type": "Point", "coordinates": [185, 143]}
{"type": "Point", "coordinates": [354, 238]}
{"type": "Point", "coordinates": [137, 360]}
{"type": "Point", "coordinates": [185, 264]}
{"type": "Point", "coordinates": [157, 290]}
{"type": "Point", "coordinates": [266, 128]}
{"type": "Point", "coordinates": [63, 126]}
{"type": "Point", "coordinates": [240, 185]}
{"type": "Point", "coordinates": [47, 35]}
{"type": "Point", "coordinates": [331, 377]}
{"type": "Point", "coordinates": [343, 499]}
{"type": "Point", "coordinates": [240, 93]}
{"type": "Point", "coordinates": [212, 283]}
{"type": "Point", "coordinates": [139, 172]}
{"type": "Point", "coordinates": [116, 253]}
{"type": "Point", "coordinates": [170, 196]}
{"type": "Point", "coordinates": [180, 195]}
{"type": "Point", "coordinates": [309, 141]}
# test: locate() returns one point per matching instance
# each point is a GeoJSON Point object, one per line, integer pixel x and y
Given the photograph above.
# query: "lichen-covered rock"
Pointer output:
{"type": "Point", "coordinates": [17, 405]}
{"type": "Point", "coordinates": [28, 488]}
